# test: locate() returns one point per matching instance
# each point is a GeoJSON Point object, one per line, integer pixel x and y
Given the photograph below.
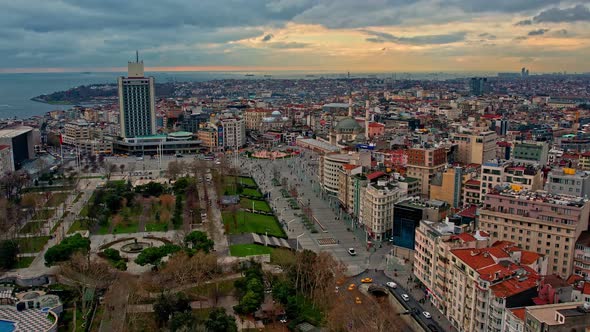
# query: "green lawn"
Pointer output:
{"type": "Point", "coordinates": [247, 181]}
{"type": "Point", "coordinates": [252, 223]}
{"type": "Point", "coordinates": [251, 192]}
{"type": "Point", "coordinates": [243, 250]}
{"type": "Point", "coordinates": [32, 244]}
{"type": "Point", "coordinates": [24, 262]}
{"type": "Point", "coordinates": [77, 226]}
{"type": "Point", "coordinates": [57, 198]}
{"type": "Point", "coordinates": [246, 203]}
{"type": "Point", "coordinates": [44, 214]}
{"type": "Point", "coordinates": [32, 227]}
{"type": "Point", "coordinates": [156, 227]}
{"type": "Point", "coordinates": [130, 228]}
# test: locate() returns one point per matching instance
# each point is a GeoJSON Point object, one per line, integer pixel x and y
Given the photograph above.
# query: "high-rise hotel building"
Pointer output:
{"type": "Point", "coordinates": [137, 102]}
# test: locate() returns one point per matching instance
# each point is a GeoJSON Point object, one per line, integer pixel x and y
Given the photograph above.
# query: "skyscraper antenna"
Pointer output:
{"type": "Point", "coordinates": [137, 56]}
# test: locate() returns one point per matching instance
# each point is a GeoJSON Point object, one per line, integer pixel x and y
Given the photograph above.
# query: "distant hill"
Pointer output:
{"type": "Point", "coordinates": [87, 94]}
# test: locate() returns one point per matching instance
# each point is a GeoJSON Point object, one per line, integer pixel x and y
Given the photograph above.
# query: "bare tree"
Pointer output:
{"type": "Point", "coordinates": [84, 274]}
{"type": "Point", "coordinates": [109, 168]}
{"type": "Point", "coordinates": [176, 168]}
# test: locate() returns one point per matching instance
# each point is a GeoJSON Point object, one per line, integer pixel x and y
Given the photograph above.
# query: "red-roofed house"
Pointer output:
{"type": "Point", "coordinates": [376, 129]}
{"type": "Point", "coordinates": [485, 282]}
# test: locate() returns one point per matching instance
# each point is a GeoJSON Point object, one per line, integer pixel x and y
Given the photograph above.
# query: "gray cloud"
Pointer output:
{"type": "Point", "coordinates": [267, 37]}
{"type": "Point", "coordinates": [524, 22]}
{"type": "Point", "coordinates": [557, 15]}
{"type": "Point", "coordinates": [486, 35]}
{"type": "Point", "coordinates": [383, 37]}
{"type": "Point", "coordinates": [507, 6]}
{"type": "Point", "coordinates": [538, 32]}
{"type": "Point", "coordinates": [290, 45]}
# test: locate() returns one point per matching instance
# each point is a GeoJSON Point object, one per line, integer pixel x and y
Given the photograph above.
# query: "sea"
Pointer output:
{"type": "Point", "coordinates": [16, 90]}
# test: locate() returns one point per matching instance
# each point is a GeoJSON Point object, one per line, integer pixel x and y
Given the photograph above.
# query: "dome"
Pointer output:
{"type": "Point", "coordinates": [276, 114]}
{"type": "Point", "coordinates": [348, 125]}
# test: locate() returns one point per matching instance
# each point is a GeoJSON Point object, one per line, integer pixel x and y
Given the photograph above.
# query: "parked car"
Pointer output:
{"type": "Point", "coordinates": [367, 280]}
{"type": "Point", "coordinates": [391, 284]}
{"type": "Point", "coordinates": [351, 252]}
{"type": "Point", "coordinates": [405, 297]}
{"type": "Point", "coordinates": [351, 287]}
{"type": "Point", "coordinates": [427, 314]}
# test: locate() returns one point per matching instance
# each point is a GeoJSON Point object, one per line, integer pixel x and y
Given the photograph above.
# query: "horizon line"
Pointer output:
{"type": "Point", "coordinates": [25, 70]}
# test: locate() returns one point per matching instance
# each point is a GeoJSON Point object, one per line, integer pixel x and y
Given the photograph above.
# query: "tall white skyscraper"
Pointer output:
{"type": "Point", "coordinates": [137, 102]}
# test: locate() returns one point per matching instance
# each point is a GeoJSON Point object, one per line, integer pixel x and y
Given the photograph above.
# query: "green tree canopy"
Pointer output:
{"type": "Point", "coordinates": [68, 246]}
{"type": "Point", "coordinates": [220, 321]}
{"type": "Point", "coordinates": [153, 255]}
{"type": "Point", "coordinates": [199, 241]}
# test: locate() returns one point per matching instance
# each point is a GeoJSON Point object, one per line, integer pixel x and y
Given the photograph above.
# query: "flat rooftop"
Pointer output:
{"type": "Point", "coordinates": [546, 313]}
{"type": "Point", "coordinates": [13, 132]}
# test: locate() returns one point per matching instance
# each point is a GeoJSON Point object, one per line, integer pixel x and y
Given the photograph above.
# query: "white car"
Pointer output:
{"type": "Point", "coordinates": [427, 314]}
{"type": "Point", "coordinates": [405, 297]}
{"type": "Point", "coordinates": [391, 284]}
{"type": "Point", "coordinates": [351, 252]}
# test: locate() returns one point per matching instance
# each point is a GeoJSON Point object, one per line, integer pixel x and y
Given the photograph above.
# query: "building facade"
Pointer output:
{"type": "Point", "coordinates": [378, 207]}
{"type": "Point", "coordinates": [424, 164]}
{"type": "Point", "coordinates": [531, 152]}
{"type": "Point", "coordinates": [568, 181]}
{"type": "Point", "coordinates": [546, 224]}
{"type": "Point", "coordinates": [137, 102]}
{"type": "Point", "coordinates": [476, 148]}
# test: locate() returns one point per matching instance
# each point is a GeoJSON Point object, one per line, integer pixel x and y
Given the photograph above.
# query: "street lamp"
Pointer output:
{"type": "Point", "coordinates": [289, 222]}
{"type": "Point", "coordinates": [298, 236]}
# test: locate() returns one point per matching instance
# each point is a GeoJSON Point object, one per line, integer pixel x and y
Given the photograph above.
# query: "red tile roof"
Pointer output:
{"type": "Point", "coordinates": [348, 167]}
{"type": "Point", "coordinates": [519, 313]}
{"type": "Point", "coordinates": [375, 175]}
{"type": "Point", "coordinates": [466, 237]}
{"type": "Point", "coordinates": [469, 212]}
{"type": "Point", "coordinates": [376, 125]}
{"type": "Point", "coordinates": [529, 257]}
{"type": "Point", "coordinates": [473, 182]}
{"type": "Point", "coordinates": [586, 290]}
{"type": "Point", "coordinates": [2, 147]}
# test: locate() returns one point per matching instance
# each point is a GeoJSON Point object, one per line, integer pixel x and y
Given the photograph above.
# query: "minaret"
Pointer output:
{"type": "Point", "coordinates": [367, 107]}
{"type": "Point", "coordinates": [349, 97]}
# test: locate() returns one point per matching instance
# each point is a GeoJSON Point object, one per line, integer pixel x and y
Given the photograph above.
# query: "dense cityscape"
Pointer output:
{"type": "Point", "coordinates": [273, 165]}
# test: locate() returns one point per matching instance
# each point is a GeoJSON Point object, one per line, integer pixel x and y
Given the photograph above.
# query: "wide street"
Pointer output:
{"type": "Point", "coordinates": [378, 263]}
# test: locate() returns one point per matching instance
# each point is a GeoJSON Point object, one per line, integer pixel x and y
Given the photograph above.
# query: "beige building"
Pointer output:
{"type": "Point", "coordinates": [378, 205]}
{"type": "Point", "coordinates": [424, 164]}
{"type": "Point", "coordinates": [253, 118]}
{"type": "Point", "coordinates": [76, 131]}
{"type": "Point", "coordinates": [504, 172]}
{"type": "Point", "coordinates": [434, 241]}
{"type": "Point", "coordinates": [476, 148]}
{"type": "Point", "coordinates": [330, 165]}
{"type": "Point", "coordinates": [346, 186]}
{"type": "Point", "coordinates": [560, 317]}
{"type": "Point", "coordinates": [448, 186]}
{"type": "Point", "coordinates": [486, 282]}
{"type": "Point", "coordinates": [209, 138]}
{"type": "Point", "coordinates": [546, 224]}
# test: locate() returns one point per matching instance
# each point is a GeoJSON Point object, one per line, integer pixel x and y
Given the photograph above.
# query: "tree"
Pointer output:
{"type": "Point", "coordinates": [122, 168]}
{"type": "Point", "coordinates": [176, 168]}
{"type": "Point", "coordinates": [220, 321]}
{"type": "Point", "coordinates": [109, 168]}
{"type": "Point", "coordinates": [182, 269]}
{"type": "Point", "coordinates": [84, 274]}
{"type": "Point", "coordinates": [153, 255]}
{"type": "Point", "coordinates": [8, 254]}
{"type": "Point", "coordinates": [68, 246]}
{"type": "Point", "coordinates": [199, 241]}
{"type": "Point", "coordinates": [183, 322]}
{"type": "Point", "coordinates": [167, 304]}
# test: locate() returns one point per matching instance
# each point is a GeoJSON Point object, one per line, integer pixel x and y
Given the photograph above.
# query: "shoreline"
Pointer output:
{"type": "Point", "coordinates": [39, 100]}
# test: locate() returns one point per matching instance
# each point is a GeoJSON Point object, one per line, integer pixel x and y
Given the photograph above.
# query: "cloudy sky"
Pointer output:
{"type": "Point", "coordinates": [312, 35]}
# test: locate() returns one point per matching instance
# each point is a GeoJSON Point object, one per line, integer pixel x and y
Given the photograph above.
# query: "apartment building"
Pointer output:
{"type": "Point", "coordinates": [544, 223]}
{"type": "Point", "coordinates": [346, 186]}
{"type": "Point", "coordinates": [486, 282]}
{"type": "Point", "coordinates": [560, 317]}
{"type": "Point", "coordinates": [501, 172]}
{"type": "Point", "coordinates": [76, 131]}
{"type": "Point", "coordinates": [434, 242]}
{"type": "Point", "coordinates": [584, 161]}
{"type": "Point", "coordinates": [253, 118]}
{"type": "Point", "coordinates": [424, 164]}
{"type": "Point", "coordinates": [378, 207]}
{"type": "Point", "coordinates": [472, 192]}
{"type": "Point", "coordinates": [531, 152]}
{"type": "Point", "coordinates": [568, 181]}
{"type": "Point", "coordinates": [448, 186]}
{"type": "Point", "coordinates": [330, 165]}
{"type": "Point", "coordinates": [582, 256]}
{"type": "Point", "coordinates": [208, 136]}
{"type": "Point", "coordinates": [476, 147]}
